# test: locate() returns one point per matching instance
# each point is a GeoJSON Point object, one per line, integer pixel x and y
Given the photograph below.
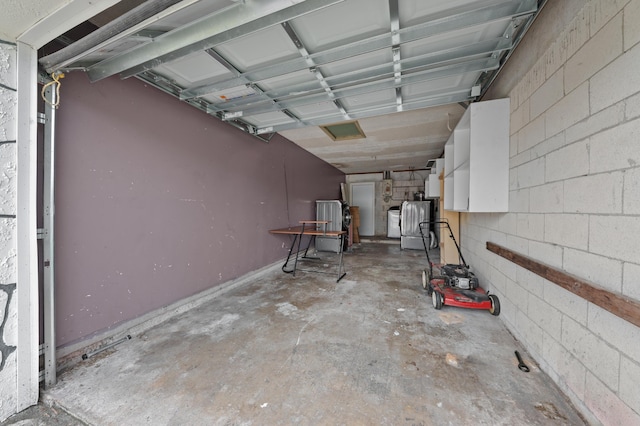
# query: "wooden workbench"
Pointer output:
{"type": "Point", "coordinates": [311, 228]}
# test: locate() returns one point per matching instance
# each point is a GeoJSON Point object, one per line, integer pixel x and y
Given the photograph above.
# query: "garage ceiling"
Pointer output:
{"type": "Point", "coordinates": [405, 69]}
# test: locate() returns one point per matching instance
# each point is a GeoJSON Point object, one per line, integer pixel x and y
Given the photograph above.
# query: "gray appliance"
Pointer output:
{"type": "Point", "coordinates": [411, 214]}
{"type": "Point", "coordinates": [339, 216]}
{"type": "Point", "coordinates": [393, 222]}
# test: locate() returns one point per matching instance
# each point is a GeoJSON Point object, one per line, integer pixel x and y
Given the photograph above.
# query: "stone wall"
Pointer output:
{"type": "Point", "coordinates": [8, 313]}
{"type": "Point", "coordinates": [574, 203]}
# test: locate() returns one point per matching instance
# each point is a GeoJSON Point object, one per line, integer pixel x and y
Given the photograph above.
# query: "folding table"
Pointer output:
{"type": "Point", "coordinates": [311, 228]}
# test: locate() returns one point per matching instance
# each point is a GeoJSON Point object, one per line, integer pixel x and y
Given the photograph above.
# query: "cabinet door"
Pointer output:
{"type": "Point", "coordinates": [477, 159]}
{"type": "Point", "coordinates": [489, 157]}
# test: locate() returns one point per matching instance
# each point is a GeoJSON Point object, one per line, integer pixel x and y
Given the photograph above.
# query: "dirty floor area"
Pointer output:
{"type": "Point", "coordinates": [282, 350]}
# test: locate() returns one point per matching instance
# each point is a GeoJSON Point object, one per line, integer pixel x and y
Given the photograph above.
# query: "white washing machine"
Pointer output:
{"type": "Point", "coordinates": [393, 223]}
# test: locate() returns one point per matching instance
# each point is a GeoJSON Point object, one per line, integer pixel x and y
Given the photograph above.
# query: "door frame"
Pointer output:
{"type": "Point", "coordinates": [46, 29]}
{"type": "Point", "coordinates": [372, 205]}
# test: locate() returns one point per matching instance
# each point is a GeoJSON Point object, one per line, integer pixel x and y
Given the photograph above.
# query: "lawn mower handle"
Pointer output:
{"type": "Point", "coordinates": [445, 222]}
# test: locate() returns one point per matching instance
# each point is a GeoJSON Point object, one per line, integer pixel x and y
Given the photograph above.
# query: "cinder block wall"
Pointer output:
{"type": "Point", "coordinates": [574, 201]}
{"type": "Point", "coordinates": [8, 313]}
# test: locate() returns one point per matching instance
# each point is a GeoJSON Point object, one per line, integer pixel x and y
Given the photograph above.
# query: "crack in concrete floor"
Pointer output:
{"type": "Point", "coordinates": [307, 350]}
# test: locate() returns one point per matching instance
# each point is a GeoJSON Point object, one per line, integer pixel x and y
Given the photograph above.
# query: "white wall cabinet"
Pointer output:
{"type": "Point", "coordinates": [432, 182]}
{"type": "Point", "coordinates": [476, 160]}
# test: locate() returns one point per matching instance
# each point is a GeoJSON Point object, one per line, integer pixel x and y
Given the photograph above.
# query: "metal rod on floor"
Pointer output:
{"type": "Point", "coordinates": [104, 348]}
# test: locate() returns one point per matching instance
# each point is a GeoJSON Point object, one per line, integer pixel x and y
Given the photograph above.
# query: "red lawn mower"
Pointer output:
{"type": "Point", "coordinates": [453, 284]}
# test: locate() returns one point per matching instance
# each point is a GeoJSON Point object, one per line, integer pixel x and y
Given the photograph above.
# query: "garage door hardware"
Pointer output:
{"type": "Point", "coordinates": [105, 347]}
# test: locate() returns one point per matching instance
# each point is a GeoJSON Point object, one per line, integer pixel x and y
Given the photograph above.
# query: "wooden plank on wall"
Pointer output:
{"type": "Point", "coordinates": [623, 307]}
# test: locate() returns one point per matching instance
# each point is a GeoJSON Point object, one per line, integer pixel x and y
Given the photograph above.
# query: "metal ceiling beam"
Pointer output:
{"type": "Point", "coordinates": [133, 17]}
{"type": "Point", "coordinates": [291, 33]}
{"type": "Point", "coordinates": [160, 82]}
{"type": "Point", "coordinates": [459, 53]}
{"type": "Point", "coordinates": [394, 15]}
{"type": "Point", "coordinates": [474, 66]}
{"type": "Point", "coordinates": [135, 30]}
{"type": "Point", "coordinates": [515, 32]}
{"type": "Point", "coordinates": [442, 99]}
{"type": "Point", "coordinates": [58, 22]}
{"type": "Point", "coordinates": [484, 56]}
{"type": "Point", "coordinates": [223, 61]}
{"type": "Point", "coordinates": [224, 115]}
{"type": "Point", "coordinates": [245, 18]}
{"type": "Point", "coordinates": [435, 27]}
{"type": "Point", "coordinates": [165, 85]}
{"type": "Point", "coordinates": [373, 74]}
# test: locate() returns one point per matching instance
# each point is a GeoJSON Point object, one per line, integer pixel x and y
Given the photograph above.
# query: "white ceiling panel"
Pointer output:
{"type": "Point", "coordinates": [370, 99]}
{"type": "Point", "coordinates": [233, 94]}
{"type": "Point", "coordinates": [342, 23]}
{"type": "Point", "coordinates": [450, 40]}
{"type": "Point", "coordinates": [416, 11]}
{"type": "Point", "coordinates": [290, 80]}
{"type": "Point", "coordinates": [269, 119]}
{"type": "Point", "coordinates": [115, 48]}
{"type": "Point", "coordinates": [265, 47]}
{"type": "Point", "coordinates": [440, 85]}
{"type": "Point", "coordinates": [193, 68]}
{"type": "Point", "coordinates": [357, 63]}
{"type": "Point", "coordinates": [314, 110]}
{"type": "Point", "coordinates": [193, 12]}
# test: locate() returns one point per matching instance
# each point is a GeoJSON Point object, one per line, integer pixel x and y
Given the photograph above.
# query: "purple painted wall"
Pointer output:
{"type": "Point", "coordinates": [157, 201]}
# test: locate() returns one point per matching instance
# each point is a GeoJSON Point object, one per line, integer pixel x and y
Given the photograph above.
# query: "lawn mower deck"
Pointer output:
{"type": "Point", "coordinates": [455, 284]}
{"type": "Point", "coordinates": [443, 294]}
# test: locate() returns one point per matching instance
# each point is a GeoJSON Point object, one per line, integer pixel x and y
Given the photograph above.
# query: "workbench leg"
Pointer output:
{"type": "Point", "coordinates": [286, 262]}
{"type": "Point", "coordinates": [295, 265]}
{"type": "Point", "coordinates": [340, 265]}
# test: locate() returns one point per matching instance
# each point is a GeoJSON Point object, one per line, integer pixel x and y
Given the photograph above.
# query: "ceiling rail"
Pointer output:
{"type": "Point", "coordinates": [133, 17]}
{"type": "Point", "coordinates": [245, 18]}
{"type": "Point", "coordinates": [428, 29]}
{"type": "Point", "coordinates": [483, 64]}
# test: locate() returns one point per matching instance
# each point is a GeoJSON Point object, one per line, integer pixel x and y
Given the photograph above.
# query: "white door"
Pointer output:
{"type": "Point", "coordinates": [363, 196]}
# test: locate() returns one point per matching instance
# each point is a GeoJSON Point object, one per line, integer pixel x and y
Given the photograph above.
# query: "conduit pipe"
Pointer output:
{"type": "Point", "coordinates": [105, 347]}
{"type": "Point", "coordinates": [133, 17]}
{"type": "Point", "coordinates": [47, 235]}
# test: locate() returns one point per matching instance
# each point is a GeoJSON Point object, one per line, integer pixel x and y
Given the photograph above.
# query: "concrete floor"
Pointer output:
{"type": "Point", "coordinates": [370, 349]}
